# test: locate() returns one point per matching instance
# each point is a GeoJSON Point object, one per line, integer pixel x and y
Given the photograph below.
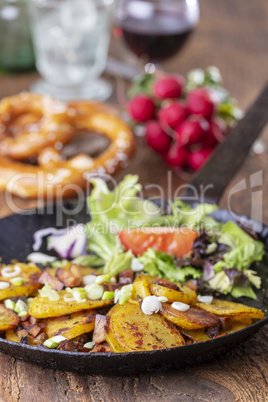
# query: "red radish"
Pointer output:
{"type": "Point", "coordinates": [156, 137]}
{"type": "Point", "coordinates": [216, 132]}
{"type": "Point", "coordinates": [177, 156]}
{"type": "Point", "coordinates": [172, 114]}
{"type": "Point", "coordinates": [191, 131]}
{"type": "Point", "coordinates": [198, 158]}
{"type": "Point", "coordinates": [142, 108]}
{"type": "Point", "coordinates": [169, 87]}
{"type": "Point", "coordinates": [199, 102]}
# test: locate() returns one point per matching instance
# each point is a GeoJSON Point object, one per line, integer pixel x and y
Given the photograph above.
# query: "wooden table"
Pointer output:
{"type": "Point", "coordinates": [232, 35]}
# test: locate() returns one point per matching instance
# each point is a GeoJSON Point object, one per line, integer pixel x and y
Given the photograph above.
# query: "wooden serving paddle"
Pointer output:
{"type": "Point", "coordinates": [229, 156]}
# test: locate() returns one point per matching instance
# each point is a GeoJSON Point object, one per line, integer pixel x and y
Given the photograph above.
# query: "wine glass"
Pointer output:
{"type": "Point", "coordinates": [155, 30]}
{"type": "Point", "coordinates": [71, 40]}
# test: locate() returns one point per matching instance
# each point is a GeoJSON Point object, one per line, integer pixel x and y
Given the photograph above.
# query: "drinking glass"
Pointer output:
{"type": "Point", "coordinates": [155, 30]}
{"type": "Point", "coordinates": [71, 40]}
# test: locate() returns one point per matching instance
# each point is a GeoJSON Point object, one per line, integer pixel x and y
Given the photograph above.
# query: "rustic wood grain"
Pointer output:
{"type": "Point", "coordinates": [232, 35]}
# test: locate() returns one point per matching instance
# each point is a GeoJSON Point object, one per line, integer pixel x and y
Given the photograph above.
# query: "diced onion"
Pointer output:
{"type": "Point", "coordinates": [58, 338]}
{"type": "Point", "coordinates": [79, 295]}
{"type": "Point", "coordinates": [20, 306]}
{"type": "Point", "coordinates": [9, 304]}
{"type": "Point", "coordinates": [17, 281]}
{"type": "Point", "coordinates": [4, 285]}
{"type": "Point", "coordinates": [88, 279]}
{"type": "Point", "coordinates": [125, 293]}
{"type": "Point", "coordinates": [150, 305]}
{"type": "Point", "coordinates": [10, 272]}
{"type": "Point", "coordinates": [162, 299]}
{"type": "Point", "coordinates": [116, 295]}
{"type": "Point", "coordinates": [94, 291]}
{"type": "Point", "coordinates": [205, 299]}
{"type": "Point", "coordinates": [40, 258]}
{"type": "Point", "coordinates": [108, 296]}
{"type": "Point", "coordinates": [89, 345]}
{"type": "Point", "coordinates": [46, 291]}
{"type": "Point", "coordinates": [22, 313]}
{"type": "Point", "coordinates": [68, 298]}
{"type": "Point", "coordinates": [136, 265]}
{"type": "Point", "coordinates": [180, 306]}
{"type": "Point", "coordinates": [102, 278]}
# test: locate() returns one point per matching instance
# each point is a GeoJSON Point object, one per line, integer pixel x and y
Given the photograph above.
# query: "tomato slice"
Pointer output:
{"type": "Point", "coordinates": [174, 241]}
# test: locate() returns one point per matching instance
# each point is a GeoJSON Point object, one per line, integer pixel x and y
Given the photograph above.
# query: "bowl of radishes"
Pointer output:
{"type": "Point", "coordinates": [183, 120]}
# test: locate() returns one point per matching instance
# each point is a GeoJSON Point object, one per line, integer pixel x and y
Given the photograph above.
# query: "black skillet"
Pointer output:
{"type": "Point", "coordinates": [16, 234]}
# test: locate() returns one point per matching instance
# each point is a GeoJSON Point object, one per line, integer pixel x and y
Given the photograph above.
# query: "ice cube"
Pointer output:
{"type": "Point", "coordinates": [79, 16]}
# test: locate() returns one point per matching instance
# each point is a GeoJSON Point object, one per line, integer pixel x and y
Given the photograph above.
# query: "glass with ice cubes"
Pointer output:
{"type": "Point", "coordinates": [71, 40]}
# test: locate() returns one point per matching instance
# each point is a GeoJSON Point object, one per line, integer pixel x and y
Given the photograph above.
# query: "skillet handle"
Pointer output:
{"type": "Point", "coordinates": [210, 182]}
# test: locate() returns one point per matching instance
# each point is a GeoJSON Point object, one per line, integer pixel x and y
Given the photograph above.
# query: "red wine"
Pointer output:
{"type": "Point", "coordinates": [159, 37]}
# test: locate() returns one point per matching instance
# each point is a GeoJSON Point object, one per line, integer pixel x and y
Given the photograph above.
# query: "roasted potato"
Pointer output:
{"type": "Point", "coordinates": [140, 290]}
{"type": "Point", "coordinates": [29, 272]}
{"type": "Point", "coordinates": [191, 319]}
{"type": "Point", "coordinates": [11, 336]}
{"type": "Point", "coordinates": [8, 319]}
{"type": "Point", "coordinates": [130, 330]}
{"type": "Point", "coordinates": [172, 295]}
{"type": "Point", "coordinates": [42, 307]}
{"type": "Point", "coordinates": [71, 326]}
{"type": "Point", "coordinates": [196, 335]}
{"type": "Point", "coordinates": [238, 312]}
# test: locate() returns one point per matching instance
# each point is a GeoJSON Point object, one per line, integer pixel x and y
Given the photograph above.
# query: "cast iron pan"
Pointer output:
{"type": "Point", "coordinates": [16, 234]}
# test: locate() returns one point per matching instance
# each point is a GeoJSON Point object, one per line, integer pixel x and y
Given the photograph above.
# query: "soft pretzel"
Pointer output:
{"type": "Point", "coordinates": [55, 177]}
{"type": "Point", "coordinates": [31, 122]}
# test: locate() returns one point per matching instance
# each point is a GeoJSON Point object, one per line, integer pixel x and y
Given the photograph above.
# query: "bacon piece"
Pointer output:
{"type": "Point", "coordinates": [126, 277]}
{"type": "Point", "coordinates": [34, 330]}
{"type": "Point", "coordinates": [103, 348]}
{"type": "Point", "coordinates": [51, 280]}
{"type": "Point", "coordinates": [99, 329]}
{"type": "Point", "coordinates": [40, 339]}
{"type": "Point", "coordinates": [23, 336]}
{"type": "Point", "coordinates": [67, 278]}
{"type": "Point", "coordinates": [225, 323]}
{"type": "Point", "coordinates": [167, 284]}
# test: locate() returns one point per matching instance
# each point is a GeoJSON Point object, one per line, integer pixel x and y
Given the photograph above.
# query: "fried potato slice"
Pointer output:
{"type": "Point", "coordinates": [29, 272]}
{"type": "Point", "coordinates": [172, 295]}
{"type": "Point", "coordinates": [71, 326]}
{"type": "Point", "coordinates": [191, 319]}
{"type": "Point", "coordinates": [196, 335]}
{"type": "Point", "coordinates": [11, 336]}
{"type": "Point", "coordinates": [8, 319]}
{"type": "Point", "coordinates": [140, 290]}
{"type": "Point", "coordinates": [42, 307]}
{"type": "Point", "coordinates": [236, 326]}
{"type": "Point", "coordinates": [235, 310]}
{"type": "Point", "coordinates": [130, 330]}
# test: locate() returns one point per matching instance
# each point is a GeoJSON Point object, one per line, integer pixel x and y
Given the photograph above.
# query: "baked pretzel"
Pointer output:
{"type": "Point", "coordinates": [54, 176]}
{"type": "Point", "coordinates": [30, 122]}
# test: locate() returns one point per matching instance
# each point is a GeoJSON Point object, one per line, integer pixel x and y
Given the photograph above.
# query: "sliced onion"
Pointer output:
{"type": "Point", "coordinates": [205, 299]}
{"type": "Point", "coordinates": [40, 234]}
{"type": "Point", "coordinates": [88, 279]}
{"type": "Point", "coordinates": [94, 291]}
{"type": "Point", "coordinates": [180, 306]}
{"type": "Point", "coordinates": [150, 305]}
{"type": "Point", "coordinates": [162, 299]}
{"type": "Point", "coordinates": [40, 258]}
{"type": "Point", "coordinates": [69, 244]}
{"type": "Point", "coordinates": [68, 298]}
{"type": "Point", "coordinates": [4, 285]}
{"type": "Point", "coordinates": [10, 272]}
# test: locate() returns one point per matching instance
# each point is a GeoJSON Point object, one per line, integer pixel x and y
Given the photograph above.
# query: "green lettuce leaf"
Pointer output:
{"type": "Point", "coordinates": [240, 292]}
{"type": "Point", "coordinates": [118, 263]}
{"type": "Point", "coordinates": [245, 250]}
{"type": "Point", "coordinates": [157, 263]}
